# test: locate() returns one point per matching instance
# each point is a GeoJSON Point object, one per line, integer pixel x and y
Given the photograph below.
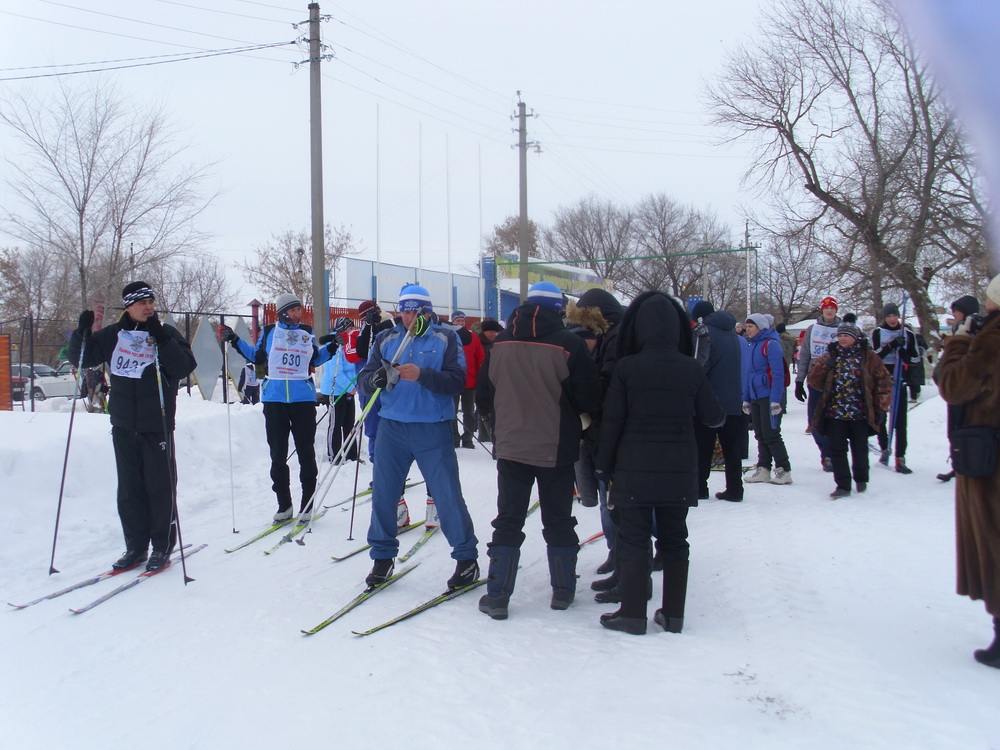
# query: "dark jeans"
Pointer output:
{"type": "Point", "coordinates": [668, 523]}
{"type": "Point", "coordinates": [555, 492]}
{"type": "Point", "coordinates": [146, 483]}
{"type": "Point", "coordinates": [899, 408]}
{"type": "Point", "coordinates": [299, 419]}
{"type": "Point", "coordinates": [467, 401]}
{"type": "Point", "coordinates": [341, 424]}
{"type": "Point", "coordinates": [841, 433]}
{"type": "Point", "coordinates": [770, 446]}
{"type": "Point", "coordinates": [731, 435]}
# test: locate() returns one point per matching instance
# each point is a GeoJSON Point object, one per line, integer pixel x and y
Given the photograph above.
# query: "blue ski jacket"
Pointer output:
{"type": "Point", "coordinates": [764, 376]}
{"type": "Point", "coordinates": [283, 391]}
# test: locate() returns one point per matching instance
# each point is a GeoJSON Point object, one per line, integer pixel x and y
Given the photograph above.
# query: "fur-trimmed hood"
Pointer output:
{"type": "Point", "coordinates": [590, 318]}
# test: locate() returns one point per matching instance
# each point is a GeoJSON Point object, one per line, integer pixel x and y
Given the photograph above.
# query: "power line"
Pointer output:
{"type": "Point", "coordinates": [192, 56]}
{"type": "Point", "coordinates": [223, 12]}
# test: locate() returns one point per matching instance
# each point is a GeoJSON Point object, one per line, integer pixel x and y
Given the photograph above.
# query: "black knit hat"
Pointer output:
{"type": "Point", "coordinates": [701, 309]}
{"type": "Point", "coordinates": [967, 304]}
{"type": "Point", "coordinates": [490, 325]}
{"type": "Point", "coordinates": [137, 290]}
{"type": "Point", "coordinates": [891, 308]}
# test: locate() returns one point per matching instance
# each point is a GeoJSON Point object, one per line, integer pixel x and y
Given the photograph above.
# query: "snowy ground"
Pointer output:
{"type": "Point", "coordinates": [810, 623]}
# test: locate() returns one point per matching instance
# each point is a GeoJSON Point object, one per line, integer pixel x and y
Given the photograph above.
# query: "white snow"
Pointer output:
{"type": "Point", "coordinates": [810, 623]}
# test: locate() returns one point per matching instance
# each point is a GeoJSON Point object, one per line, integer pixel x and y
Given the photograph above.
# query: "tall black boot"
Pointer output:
{"type": "Point", "coordinates": [562, 575]}
{"type": "Point", "coordinates": [991, 656]}
{"type": "Point", "coordinates": [608, 566]}
{"type": "Point", "coordinates": [500, 581]}
{"type": "Point", "coordinates": [631, 615]}
{"type": "Point", "coordinates": [675, 579]}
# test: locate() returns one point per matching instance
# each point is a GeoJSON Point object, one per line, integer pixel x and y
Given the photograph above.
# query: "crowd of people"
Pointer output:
{"type": "Point", "coordinates": [574, 398]}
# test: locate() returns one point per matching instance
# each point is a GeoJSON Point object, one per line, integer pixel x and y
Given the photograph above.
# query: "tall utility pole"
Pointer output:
{"type": "Point", "coordinates": [321, 308]}
{"type": "Point", "coordinates": [522, 225]}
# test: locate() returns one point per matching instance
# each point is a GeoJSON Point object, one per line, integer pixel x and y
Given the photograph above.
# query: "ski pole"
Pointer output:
{"type": "Point", "coordinates": [350, 529]}
{"type": "Point", "coordinates": [327, 412]}
{"type": "Point", "coordinates": [338, 459]}
{"type": "Point", "coordinates": [168, 447]}
{"type": "Point", "coordinates": [69, 435]}
{"type": "Point", "coordinates": [897, 377]}
{"type": "Point", "coordinates": [229, 428]}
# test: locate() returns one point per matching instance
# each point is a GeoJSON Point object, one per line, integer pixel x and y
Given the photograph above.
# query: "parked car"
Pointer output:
{"type": "Point", "coordinates": [64, 368]}
{"type": "Point", "coordinates": [47, 383]}
{"type": "Point", "coordinates": [17, 384]}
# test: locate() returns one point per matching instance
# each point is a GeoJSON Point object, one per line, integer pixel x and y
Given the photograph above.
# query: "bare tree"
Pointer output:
{"type": "Point", "coordinates": [101, 186]}
{"type": "Point", "coordinates": [794, 278]}
{"type": "Point", "coordinates": [506, 238]}
{"type": "Point", "coordinates": [592, 230]}
{"type": "Point", "coordinates": [283, 264]}
{"type": "Point", "coordinates": [848, 113]}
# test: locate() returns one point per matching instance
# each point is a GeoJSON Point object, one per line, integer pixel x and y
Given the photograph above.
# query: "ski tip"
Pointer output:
{"type": "Point", "coordinates": [76, 611]}
{"type": "Point", "coordinates": [17, 606]}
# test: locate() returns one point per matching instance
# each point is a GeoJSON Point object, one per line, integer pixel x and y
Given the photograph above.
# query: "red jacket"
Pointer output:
{"type": "Point", "coordinates": [474, 355]}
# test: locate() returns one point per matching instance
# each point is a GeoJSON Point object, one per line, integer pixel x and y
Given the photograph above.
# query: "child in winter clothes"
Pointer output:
{"type": "Point", "coordinates": [856, 390]}
{"type": "Point", "coordinates": [764, 399]}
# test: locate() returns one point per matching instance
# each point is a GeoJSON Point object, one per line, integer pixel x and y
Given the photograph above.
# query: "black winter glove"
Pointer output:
{"type": "Point", "coordinates": [385, 377]}
{"type": "Point", "coordinates": [228, 334]}
{"type": "Point", "coordinates": [331, 342]}
{"type": "Point", "coordinates": [898, 343]}
{"type": "Point", "coordinates": [322, 399]}
{"type": "Point", "coordinates": [86, 322]}
{"type": "Point", "coordinates": [800, 391]}
{"type": "Point", "coordinates": [373, 316]}
{"type": "Point", "coordinates": [155, 329]}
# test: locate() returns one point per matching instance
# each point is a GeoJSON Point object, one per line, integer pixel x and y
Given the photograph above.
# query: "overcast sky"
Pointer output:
{"type": "Point", "coordinates": [426, 91]}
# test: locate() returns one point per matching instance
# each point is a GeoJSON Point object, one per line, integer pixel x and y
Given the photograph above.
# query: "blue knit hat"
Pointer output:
{"type": "Point", "coordinates": [545, 294]}
{"type": "Point", "coordinates": [414, 298]}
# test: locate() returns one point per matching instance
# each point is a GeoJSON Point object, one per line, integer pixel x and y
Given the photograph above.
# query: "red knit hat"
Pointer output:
{"type": "Point", "coordinates": [368, 304]}
{"type": "Point", "coordinates": [828, 302]}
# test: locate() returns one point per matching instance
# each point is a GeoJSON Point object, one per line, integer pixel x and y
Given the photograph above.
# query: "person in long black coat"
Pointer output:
{"type": "Point", "coordinates": [647, 454]}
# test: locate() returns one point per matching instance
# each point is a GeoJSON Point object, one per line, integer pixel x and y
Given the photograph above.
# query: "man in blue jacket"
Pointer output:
{"type": "Point", "coordinates": [415, 413]}
{"type": "Point", "coordinates": [723, 370]}
{"type": "Point", "coordinates": [287, 350]}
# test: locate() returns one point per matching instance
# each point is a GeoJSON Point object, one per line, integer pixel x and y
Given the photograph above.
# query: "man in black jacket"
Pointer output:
{"type": "Point", "coordinates": [537, 380]}
{"type": "Point", "coordinates": [141, 432]}
{"type": "Point", "coordinates": [898, 349]}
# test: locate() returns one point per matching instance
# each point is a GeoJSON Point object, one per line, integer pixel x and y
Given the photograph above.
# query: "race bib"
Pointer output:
{"type": "Point", "coordinates": [820, 339]}
{"type": "Point", "coordinates": [134, 352]}
{"type": "Point", "coordinates": [251, 377]}
{"type": "Point", "coordinates": [886, 337]}
{"type": "Point", "coordinates": [291, 352]}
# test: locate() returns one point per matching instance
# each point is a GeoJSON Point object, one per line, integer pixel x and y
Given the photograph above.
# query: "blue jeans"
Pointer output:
{"type": "Point", "coordinates": [430, 444]}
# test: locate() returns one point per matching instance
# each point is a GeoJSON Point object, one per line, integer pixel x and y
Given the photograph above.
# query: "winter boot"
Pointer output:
{"type": "Point", "coordinates": [431, 519]}
{"type": "Point", "coordinates": [467, 442]}
{"type": "Point", "coordinates": [608, 566]}
{"type": "Point", "coordinates": [862, 486]}
{"type": "Point", "coordinates": [883, 457]}
{"type": "Point", "coordinates": [761, 474]}
{"type": "Point", "coordinates": [631, 615]}
{"type": "Point", "coordinates": [730, 496]}
{"type": "Point", "coordinates": [562, 575]}
{"type": "Point", "coordinates": [613, 595]}
{"type": "Point", "coordinates": [990, 656]}
{"type": "Point", "coordinates": [402, 514]}
{"type": "Point", "coordinates": [675, 578]}
{"type": "Point", "coordinates": [947, 476]}
{"type": "Point", "coordinates": [901, 467]}
{"type": "Point", "coordinates": [381, 572]}
{"type": "Point", "coordinates": [839, 493]}
{"type": "Point", "coordinates": [158, 561]}
{"type": "Point", "coordinates": [781, 476]}
{"type": "Point", "coordinates": [466, 573]}
{"type": "Point", "coordinates": [283, 515]}
{"type": "Point", "coordinates": [500, 581]}
{"type": "Point", "coordinates": [131, 559]}
{"type": "Point", "coordinates": [827, 464]}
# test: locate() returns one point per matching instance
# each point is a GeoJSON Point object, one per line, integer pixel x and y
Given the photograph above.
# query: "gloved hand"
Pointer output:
{"type": "Point", "coordinates": [775, 409]}
{"type": "Point", "coordinates": [604, 479]}
{"type": "Point", "coordinates": [800, 391]}
{"type": "Point", "coordinates": [746, 408]}
{"type": "Point", "coordinates": [228, 334]}
{"type": "Point", "coordinates": [331, 342]}
{"type": "Point", "coordinates": [373, 316]}
{"type": "Point", "coordinates": [155, 329]}
{"type": "Point", "coordinates": [899, 342]}
{"type": "Point", "coordinates": [832, 354]}
{"type": "Point", "coordinates": [322, 399]}
{"type": "Point", "coordinates": [385, 377]}
{"type": "Point", "coordinates": [86, 322]}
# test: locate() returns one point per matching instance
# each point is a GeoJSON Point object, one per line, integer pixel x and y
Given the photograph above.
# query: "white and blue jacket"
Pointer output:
{"type": "Point", "coordinates": [439, 355]}
{"type": "Point", "coordinates": [283, 391]}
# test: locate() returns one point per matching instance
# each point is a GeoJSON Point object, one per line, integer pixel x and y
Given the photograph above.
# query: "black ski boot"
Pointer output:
{"type": "Point", "coordinates": [631, 615]}
{"type": "Point", "coordinates": [381, 572]}
{"type": "Point", "coordinates": [608, 566]}
{"type": "Point", "coordinates": [675, 577]}
{"type": "Point", "coordinates": [990, 656]}
{"type": "Point", "coordinates": [158, 561]}
{"type": "Point", "coordinates": [562, 575]}
{"type": "Point", "coordinates": [131, 559]}
{"type": "Point", "coordinates": [500, 581]}
{"type": "Point", "coordinates": [466, 573]}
